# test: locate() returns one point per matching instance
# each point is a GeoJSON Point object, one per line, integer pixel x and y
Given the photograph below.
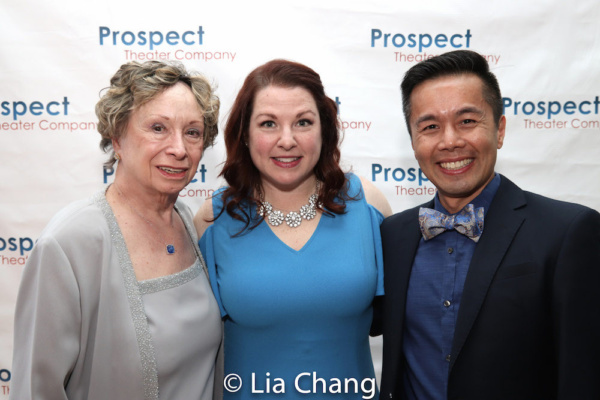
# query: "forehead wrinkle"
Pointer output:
{"type": "Point", "coordinates": [470, 110]}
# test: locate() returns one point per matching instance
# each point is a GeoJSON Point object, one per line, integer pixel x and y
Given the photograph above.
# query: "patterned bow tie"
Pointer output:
{"type": "Point", "coordinates": [468, 222]}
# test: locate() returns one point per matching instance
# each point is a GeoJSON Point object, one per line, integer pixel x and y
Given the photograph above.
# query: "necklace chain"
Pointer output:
{"type": "Point", "coordinates": [294, 218]}
{"type": "Point", "coordinates": [169, 247]}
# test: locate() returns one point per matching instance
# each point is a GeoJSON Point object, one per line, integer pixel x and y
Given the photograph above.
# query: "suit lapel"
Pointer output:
{"type": "Point", "coordinates": [502, 223]}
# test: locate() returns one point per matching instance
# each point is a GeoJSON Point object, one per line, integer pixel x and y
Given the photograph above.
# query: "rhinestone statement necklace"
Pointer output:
{"type": "Point", "coordinates": [170, 248]}
{"type": "Point", "coordinates": [294, 218]}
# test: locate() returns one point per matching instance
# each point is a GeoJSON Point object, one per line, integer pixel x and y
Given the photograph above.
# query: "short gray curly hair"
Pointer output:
{"type": "Point", "coordinates": [135, 84]}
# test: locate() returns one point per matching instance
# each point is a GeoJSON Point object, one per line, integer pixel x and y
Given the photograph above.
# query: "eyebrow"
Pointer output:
{"type": "Point", "coordinates": [426, 117]}
{"type": "Point", "coordinates": [159, 116]}
{"type": "Point", "coordinates": [301, 113]}
{"type": "Point", "coordinates": [462, 111]}
{"type": "Point", "coordinates": [166, 117]}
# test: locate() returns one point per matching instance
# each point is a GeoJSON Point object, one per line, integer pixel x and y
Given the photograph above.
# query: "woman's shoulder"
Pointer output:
{"type": "Point", "coordinates": [77, 225]}
{"type": "Point", "coordinates": [206, 213]}
{"type": "Point", "coordinates": [204, 217]}
{"type": "Point", "coordinates": [372, 194]}
{"type": "Point", "coordinates": [76, 216]}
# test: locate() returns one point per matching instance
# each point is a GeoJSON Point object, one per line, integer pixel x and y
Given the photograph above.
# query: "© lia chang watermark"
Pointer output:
{"type": "Point", "coordinates": [304, 383]}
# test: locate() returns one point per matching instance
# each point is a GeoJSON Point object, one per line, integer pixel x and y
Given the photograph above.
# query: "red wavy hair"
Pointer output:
{"type": "Point", "coordinates": [239, 171]}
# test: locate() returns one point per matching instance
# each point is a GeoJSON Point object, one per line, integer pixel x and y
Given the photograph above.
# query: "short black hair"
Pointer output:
{"type": "Point", "coordinates": [456, 62]}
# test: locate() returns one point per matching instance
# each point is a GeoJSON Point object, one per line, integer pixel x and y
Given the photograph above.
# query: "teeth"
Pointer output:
{"type": "Point", "coordinates": [171, 170]}
{"type": "Point", "coordinates": [286, 159]}
{"type": "Point", "coordinates": [457, 164]}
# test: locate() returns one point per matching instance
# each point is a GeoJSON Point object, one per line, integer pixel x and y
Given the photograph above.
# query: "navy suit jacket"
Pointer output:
{"type": "Point", "coordinates": [528, 326]}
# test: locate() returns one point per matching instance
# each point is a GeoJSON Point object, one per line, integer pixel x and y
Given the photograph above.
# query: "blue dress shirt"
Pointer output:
{"type": "Point", "coordinates": [434, 292]}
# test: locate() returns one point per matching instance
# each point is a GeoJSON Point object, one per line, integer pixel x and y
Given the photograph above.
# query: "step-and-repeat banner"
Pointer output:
{"type": "Point", "coordinates": [55, 57]}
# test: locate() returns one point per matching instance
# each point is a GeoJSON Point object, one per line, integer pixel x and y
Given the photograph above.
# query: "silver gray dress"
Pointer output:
{"type": "Point", "coordinates": [86, 329]}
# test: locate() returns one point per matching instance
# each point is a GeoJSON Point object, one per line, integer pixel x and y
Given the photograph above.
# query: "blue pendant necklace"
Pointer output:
{"type": "Point", "coordinates": [169, 247]}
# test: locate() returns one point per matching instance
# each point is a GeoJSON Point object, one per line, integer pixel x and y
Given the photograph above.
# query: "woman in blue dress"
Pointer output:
{"type": "Point", "coordinates": [292, 245]}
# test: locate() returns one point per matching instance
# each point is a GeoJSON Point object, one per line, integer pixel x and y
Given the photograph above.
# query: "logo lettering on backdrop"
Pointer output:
{"type": "Point", "coordinates": [422, 42]}
{"type": "Point", "coordinates": [351, 124]}
{"type": "Point", "coordinates": [548, 110]}
{"type": "Point", "coordinates": [5, 376]}
{"type": "Point", "coordinates": [155, 41]}
{"type": "Point", "coordinates": [397, 174]}
{"type": "Point", "coordinates": [19, 110]}
{"type": "Point", "coordinates": [12, 245]}
{"type": "Point", "coordinates": [192, 190]}
{"type": "Point", "coordinates": [152, 39]}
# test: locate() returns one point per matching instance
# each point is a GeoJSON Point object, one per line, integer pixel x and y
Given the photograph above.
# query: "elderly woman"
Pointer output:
{"type": "Point", "coordinates": [292, 245]}
{"type": "Point", "coordinates": [114, 301]}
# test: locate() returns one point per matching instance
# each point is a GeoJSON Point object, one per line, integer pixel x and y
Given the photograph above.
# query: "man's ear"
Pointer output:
{"type": "Point", "coordinates": [501, 131]}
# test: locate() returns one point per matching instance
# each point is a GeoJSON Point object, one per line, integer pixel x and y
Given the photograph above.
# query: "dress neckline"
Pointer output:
{"type": "Point", "coordinates": [305, 245]}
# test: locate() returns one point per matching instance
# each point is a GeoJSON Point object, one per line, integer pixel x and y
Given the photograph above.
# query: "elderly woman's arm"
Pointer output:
{"type": "Point", "coordinates": [47, 325]}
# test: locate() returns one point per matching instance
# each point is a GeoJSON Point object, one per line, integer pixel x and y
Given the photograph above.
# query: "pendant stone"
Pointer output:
{"type": "Point", "coordinates": [170, 249]}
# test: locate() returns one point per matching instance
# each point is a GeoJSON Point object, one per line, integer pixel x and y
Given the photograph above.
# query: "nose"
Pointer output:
{"type": "Point", "coordinates": [176, 145]}
{"type": "Point", "coordinates": [286, 141]}
{"type": "Point", "coordinates": [451, 139]}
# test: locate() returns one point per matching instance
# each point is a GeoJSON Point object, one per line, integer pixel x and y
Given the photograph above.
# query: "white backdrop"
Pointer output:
{"type": "Point", "coordinates": [55, 57]}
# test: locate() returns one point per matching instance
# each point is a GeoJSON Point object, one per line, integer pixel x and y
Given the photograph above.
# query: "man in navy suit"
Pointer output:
{"type": "Point", "coordinates": [491, 291]}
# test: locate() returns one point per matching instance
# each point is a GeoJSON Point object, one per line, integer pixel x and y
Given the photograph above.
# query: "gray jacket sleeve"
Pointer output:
{"type": "Point", "coordinates": [47, 325]}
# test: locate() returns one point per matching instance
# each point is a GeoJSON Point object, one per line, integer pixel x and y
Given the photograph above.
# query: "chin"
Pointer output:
{"type": "Point", "coordinates": [172, 189]}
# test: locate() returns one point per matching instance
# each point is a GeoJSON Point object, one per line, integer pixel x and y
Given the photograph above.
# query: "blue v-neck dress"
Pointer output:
{"type": "Point", "coordinates": [297, 322]}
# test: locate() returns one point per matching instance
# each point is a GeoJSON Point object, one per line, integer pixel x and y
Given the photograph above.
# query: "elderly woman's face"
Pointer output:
{"type": "Point", "coordinates": [162, 145]}
{"type": "Point", "coordinates": [285, 136]}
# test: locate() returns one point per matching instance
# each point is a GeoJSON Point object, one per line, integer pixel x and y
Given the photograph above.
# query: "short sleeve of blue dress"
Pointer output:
{"type": "Point", "coordinates": [297, 322]}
